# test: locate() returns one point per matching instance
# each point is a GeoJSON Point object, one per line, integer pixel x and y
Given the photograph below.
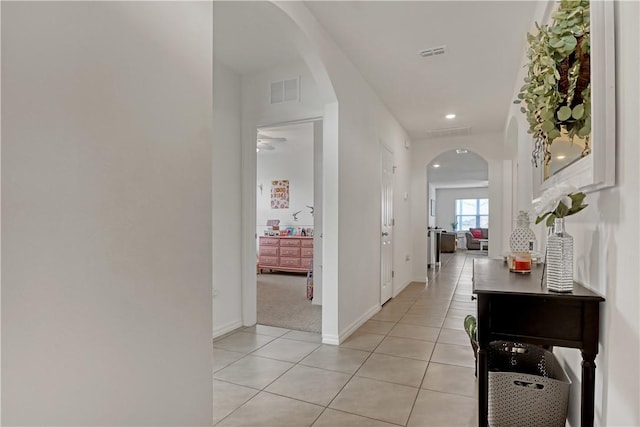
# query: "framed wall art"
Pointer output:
{"type": "Point", "coordinates": [280, 194]}
{"type": "Point", "coordinates": [583, 157]}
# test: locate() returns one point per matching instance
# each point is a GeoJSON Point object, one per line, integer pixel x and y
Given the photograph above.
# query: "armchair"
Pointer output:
{"type": "Point", "coordinates": [447, 242]}
{"type": "Point", "coordinates": [472, 242]}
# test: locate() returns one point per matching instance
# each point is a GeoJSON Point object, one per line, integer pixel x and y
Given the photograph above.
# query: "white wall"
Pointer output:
{"type": "Point", "coordinates": [296, 165]}
{"type": "Point", "coordinates": [227, 210]}
{"type": "Point", "coordinates": [402, 249]}
{"type": "Point", "coordinates": [330, 223]}
{"type": "Point", "coordinates": [606, 236]}
{"type": "Point", "coordinates": [499, 226]}
{"type": "Point", "coordinates": [318, 204]}
{"type": "Point", "coordinates": [431, 195]}
{"type": "Point", "coordinates": [256, 107]}
{"type": "Point", "coordinates": [363, 124]}
{"type": "Point", "coordinates": [446, 202]}
{"type": "Point", "coordinates": [257, 112]}
{"type": "Point", "coordinates": [106, 213]}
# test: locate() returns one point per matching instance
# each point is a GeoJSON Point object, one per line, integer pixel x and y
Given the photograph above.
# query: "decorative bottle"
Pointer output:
{"type": "Point", "coordinates": [559, 259]}
{"type": "Point", "coordinates": [522, 237]}
{"type": "Point", "coordinates": [521, 245]}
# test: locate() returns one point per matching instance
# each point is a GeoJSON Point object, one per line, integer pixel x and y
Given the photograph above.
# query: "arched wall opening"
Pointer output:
{"type": "Point", "coordinates": [243, 67]}
{"type": "Point", "coordinates": [324, 108]}
{"type": "Point", "coordinates": [351, 185]}
{"type": "Point", "coordinates": [458, 174]}
{"type": "Point", "coordinates": [488, 146]}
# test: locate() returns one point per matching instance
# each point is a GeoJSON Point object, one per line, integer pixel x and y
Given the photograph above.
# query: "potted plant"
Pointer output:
{"type": "Point", "coordinates": [453, 226]}
{"type": "Point", "coordinates": [471, 328]}
{"type": "Point", "coordinates": [557, 90]}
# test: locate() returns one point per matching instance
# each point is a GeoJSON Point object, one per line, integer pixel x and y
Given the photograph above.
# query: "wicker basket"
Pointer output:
{"type": "Point", "coordinates": [527, 386]}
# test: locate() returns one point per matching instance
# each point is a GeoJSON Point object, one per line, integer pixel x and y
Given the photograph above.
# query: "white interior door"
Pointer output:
{"type": "Point", "coordinates": [386, 235]}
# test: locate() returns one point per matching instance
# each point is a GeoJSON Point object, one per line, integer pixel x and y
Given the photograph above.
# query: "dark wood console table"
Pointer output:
{"type": "Point", "coordinates": [516, 307]}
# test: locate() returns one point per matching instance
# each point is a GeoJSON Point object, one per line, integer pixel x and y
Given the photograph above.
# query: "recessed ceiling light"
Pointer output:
{"type": "Point", "coordinates": [257, 150]}
{"type": "Point", "coordinates": [561, 157]}
{"type": "Point", "coordinates": [462, 151]}
{"type": "Point", "coordinates": [436, 165]}
{"type": "Point", "coordinates": [450, 116]}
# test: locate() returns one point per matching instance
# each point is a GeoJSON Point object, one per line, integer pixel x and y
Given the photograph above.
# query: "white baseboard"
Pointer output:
{"type": "Point", "coordinates": [357, 323]}
{"type": "Point", "coordinates": [330, 339]}
{"type": "Point", "coordinates": [219, 331]}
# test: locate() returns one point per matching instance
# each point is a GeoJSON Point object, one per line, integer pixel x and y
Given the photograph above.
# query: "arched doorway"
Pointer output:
{"type": "Point", "coordinates": [458, 187]}
{"type": "Point", "coordinates": [269, 48]}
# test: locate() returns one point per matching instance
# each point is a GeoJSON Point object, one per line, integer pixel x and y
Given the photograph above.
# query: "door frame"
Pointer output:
{"type": "Point", "coordinates": [250, 235]}
{"type": "Point", "coordinates": [383, 148]}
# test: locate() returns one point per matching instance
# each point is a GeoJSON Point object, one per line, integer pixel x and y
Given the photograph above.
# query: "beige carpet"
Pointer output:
{"type": "Point", "coordinates": [282, 302]}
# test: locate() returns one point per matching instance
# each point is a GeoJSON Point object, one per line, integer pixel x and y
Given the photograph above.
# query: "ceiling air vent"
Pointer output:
{"type": "Point", "coordinates": [446, 132]}
{"type": "Point", "coordinates": [285, 90]}
{"type": "Point", "coordinates": [434, 51]}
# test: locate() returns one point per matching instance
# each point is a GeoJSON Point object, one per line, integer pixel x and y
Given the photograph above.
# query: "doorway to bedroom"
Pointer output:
{"type": "Point", "coordinates": [287, 226]}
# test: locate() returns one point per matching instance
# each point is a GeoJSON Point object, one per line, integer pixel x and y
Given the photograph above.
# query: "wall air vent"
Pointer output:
{"type": "Point", "coordinates": [443, 133]}
{"type": "Point", "coordinates": [434, 51]}
{"type": "Point", "coordinates": [287, 90]}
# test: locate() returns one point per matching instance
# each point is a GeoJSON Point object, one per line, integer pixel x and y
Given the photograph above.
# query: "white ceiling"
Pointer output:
{"type": "Point", "coordinates": [299, 138]}
{"type": "Point", "coordinates": [250, 36]}
{"type": "Point", "coordinates": [475, 79]}
{"type": "Point", "coordinates": [458, 170]}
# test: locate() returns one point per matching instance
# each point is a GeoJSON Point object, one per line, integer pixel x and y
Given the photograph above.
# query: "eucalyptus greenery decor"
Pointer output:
{"type": "Point", "coordinates": [557, 89]}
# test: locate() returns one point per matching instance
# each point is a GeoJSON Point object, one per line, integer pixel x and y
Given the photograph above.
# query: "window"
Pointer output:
{"type": "Point", "coordinates": [472, 213]}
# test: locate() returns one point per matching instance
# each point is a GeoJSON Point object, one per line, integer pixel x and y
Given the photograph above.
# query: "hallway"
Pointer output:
{"type": "Point", "coordinates": [410, 365]}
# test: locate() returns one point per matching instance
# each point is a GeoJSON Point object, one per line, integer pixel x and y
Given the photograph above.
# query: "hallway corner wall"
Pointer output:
{"type": "Point", "coordinates": [606, 251]}
{"type": "Point", "coordinates": [226, 201]}
{"type": "Point", "coordinates": [106, 213]}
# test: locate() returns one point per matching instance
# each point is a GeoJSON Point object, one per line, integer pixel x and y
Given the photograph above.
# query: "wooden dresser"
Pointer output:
{"type": "Point", "coordinates": [287, 253]}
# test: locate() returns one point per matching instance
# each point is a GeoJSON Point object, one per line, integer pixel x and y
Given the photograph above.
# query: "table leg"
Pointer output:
{"type": "Point", "coordinates": [483, 387]}
{"type": "Point", "coordinates": [588, 389]}
{"type": "Point", "coordinates": [483, 360]}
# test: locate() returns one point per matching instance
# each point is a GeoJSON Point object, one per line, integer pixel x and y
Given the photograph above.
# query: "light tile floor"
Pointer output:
{"type": "Point", "coordinates": [410, 365]}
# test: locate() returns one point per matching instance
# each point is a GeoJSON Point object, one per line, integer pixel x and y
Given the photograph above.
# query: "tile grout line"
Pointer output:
{"type": "Point", "coordinates": [370, 353]}
{"type": "Point", "coordinates": [454, 291]}
{"type": "Point", "coordinates": [433, 350]}
{"type": "Point", "coordinates": [428, 361]}
{"type": "Point", "coordinates": [264, 388]}
{"type": "Point", "coordinates": [395, 323]}
{"type": "Point", "coordinates": [353, 376]}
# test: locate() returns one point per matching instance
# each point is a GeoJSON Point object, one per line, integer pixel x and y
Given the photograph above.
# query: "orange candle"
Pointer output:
{"type": "Point", "coordinates": [523, 264]}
